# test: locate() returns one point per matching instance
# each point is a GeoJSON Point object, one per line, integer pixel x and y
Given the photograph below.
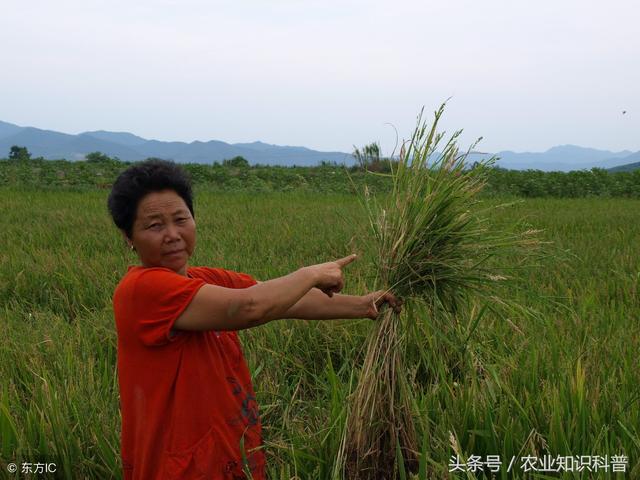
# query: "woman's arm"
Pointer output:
{"type": "Point", "coordinates": [315, 305]}
{"type": "Point", "coordinates": [219, 308]}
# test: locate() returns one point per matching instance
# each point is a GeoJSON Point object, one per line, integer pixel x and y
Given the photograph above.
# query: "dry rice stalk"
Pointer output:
{"type": "Point", "coordinates": [383, 413]}
{"type": "Point", "coordinates": [432, 246]}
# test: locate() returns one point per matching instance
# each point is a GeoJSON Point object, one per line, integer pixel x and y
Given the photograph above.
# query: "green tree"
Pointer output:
{"type": "Point", "coordinates": [19, 153]}
{"type": "Point", "coordinates": [97, 157]}
{"type": "Point", "coordinates": [369, 155]}
{"type": "Point", "coordinates": [238, 162]}
{"type": "Point", "coordinates": [369, 159]}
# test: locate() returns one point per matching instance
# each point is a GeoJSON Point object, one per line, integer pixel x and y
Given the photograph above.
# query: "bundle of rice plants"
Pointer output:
{"type": "Point", "coordinates": [434, 246]}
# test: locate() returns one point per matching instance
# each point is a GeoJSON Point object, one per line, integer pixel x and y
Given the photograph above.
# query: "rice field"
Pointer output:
{"type": "Point", "coordinates": [564, 382]}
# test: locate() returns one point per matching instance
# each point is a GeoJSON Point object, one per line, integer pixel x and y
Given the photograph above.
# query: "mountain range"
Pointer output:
{"type": "Point", "coordinates": [565, 158]}
{"type": "Point", "coordinates": [126, 146]}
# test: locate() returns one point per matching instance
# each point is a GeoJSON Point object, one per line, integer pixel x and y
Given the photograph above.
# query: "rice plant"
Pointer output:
{"type": "Point", "coordinates": [433, 246]}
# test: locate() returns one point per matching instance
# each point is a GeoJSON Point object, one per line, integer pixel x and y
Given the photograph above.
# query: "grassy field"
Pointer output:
{"type": "Point", "coordinates": [564, 381]}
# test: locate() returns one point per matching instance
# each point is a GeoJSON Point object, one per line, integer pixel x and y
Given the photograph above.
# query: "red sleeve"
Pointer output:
{"type": "Point", "coordinates": [223, 278]}
{"type": "Point", "coordinates": [159, 297]}
{"type": "Point", "coordinates": [237, 279]}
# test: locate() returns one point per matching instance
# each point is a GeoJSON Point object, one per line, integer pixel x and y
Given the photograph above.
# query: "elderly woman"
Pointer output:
{"type": "Point", "coordinates": [188, 407]}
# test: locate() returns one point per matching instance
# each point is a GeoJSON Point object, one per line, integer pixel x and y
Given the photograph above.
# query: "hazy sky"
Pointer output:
{"type": "Point", "coordinates": [525, 75]}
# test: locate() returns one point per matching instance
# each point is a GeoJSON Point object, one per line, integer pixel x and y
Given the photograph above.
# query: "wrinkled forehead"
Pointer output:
{"type": "Point", "coordinates": [161, 204]}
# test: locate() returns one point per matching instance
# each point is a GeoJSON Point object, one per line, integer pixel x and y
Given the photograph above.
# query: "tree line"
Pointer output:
{"type": "Point", "coordinates": [99, 170]}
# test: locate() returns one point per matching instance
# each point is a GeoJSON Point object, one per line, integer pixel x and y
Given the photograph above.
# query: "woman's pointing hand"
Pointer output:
{"type": "Point", "coordinates": [328, 276]}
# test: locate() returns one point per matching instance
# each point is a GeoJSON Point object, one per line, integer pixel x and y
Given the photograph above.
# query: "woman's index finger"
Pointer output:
{"type": "Point", "coordinates": [346, 260]}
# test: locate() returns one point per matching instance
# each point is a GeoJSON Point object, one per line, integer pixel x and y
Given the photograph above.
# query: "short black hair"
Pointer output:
{"type": "Point", "coordinates": [152, 175]}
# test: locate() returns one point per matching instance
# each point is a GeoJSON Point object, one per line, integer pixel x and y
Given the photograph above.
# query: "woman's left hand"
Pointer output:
{"type": "Point", "coordinates": [375, 300]}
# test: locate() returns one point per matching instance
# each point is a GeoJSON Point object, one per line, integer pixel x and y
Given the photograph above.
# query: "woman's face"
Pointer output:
{"type": "Point", "coordinates": [164, 232]}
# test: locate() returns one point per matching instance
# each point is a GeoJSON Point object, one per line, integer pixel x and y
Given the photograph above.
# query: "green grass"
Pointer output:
{"type": "Point", "coordinates": [563, 383]}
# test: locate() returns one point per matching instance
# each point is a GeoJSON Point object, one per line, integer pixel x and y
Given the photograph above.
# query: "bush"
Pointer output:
{"type": "Point", "coordinates": [237, 162]}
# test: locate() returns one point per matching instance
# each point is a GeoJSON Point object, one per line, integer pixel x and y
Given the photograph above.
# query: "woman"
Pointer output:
{"type": "Point", "coordinates": [187, 403]}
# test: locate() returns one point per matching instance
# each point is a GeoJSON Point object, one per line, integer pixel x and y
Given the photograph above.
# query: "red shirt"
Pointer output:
{"type": "Point", "coordinates": [188, 407]}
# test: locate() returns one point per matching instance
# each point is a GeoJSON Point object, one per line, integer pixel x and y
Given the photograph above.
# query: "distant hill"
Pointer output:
{"type": "Point", "coordinates": [630, 167]}
{"type": "Point", "coordinates": [7, 129]}
{"type": "Point", "coordinates": [122, 138]}
{"type": "Point", "coordinates": [562, 158]}
{"type": "Point", "coordinates": [126, 146]}
{"type": "Point", "coordinates": [634, 164]}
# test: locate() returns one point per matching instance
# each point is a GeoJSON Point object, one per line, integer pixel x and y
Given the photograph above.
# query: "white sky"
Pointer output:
{"type": "Point", "coordinates": [525, 75]}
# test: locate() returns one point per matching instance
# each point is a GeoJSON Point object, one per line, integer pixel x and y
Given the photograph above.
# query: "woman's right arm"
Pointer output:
{"type": "Point", "coordinates": [220, 308]}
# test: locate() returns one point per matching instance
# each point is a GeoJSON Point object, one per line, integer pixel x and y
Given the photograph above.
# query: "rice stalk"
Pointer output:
{"type": "Point", "coordinates": [434, 246]}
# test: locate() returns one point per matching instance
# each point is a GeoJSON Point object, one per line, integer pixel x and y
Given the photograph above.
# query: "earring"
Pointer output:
{"type": "Point", "coordinates": [132, 247]}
